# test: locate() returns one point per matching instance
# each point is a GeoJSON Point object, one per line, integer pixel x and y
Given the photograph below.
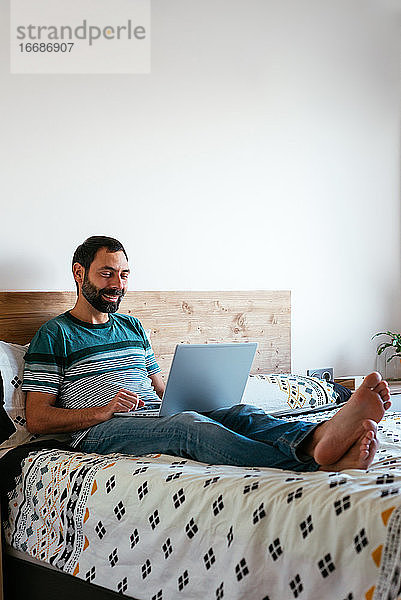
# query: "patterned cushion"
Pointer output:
{"type": "Point", "coordinates": [289, 394]}
{"type": "Point", "coordinates": [12, 372]}
{"type": "Point", "coordinates": [12, 369]}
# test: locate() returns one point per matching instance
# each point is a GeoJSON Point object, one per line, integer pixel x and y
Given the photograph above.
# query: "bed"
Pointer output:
{"type": "Point", "coordinates": [157, 527]}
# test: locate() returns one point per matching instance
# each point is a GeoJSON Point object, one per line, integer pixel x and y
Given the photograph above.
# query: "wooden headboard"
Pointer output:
{"type": "Point", "coordinates": [175, 317]}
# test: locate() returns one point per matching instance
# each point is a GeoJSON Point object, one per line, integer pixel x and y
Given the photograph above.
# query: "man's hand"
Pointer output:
{"type": "Point", "coordinates": [123, 401]}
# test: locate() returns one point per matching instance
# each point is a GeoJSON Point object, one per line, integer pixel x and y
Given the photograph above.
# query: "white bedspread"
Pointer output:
{"type": "Point", "coordinates": [162, 528]}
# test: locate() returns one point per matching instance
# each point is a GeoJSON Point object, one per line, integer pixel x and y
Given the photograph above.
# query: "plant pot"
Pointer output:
{"type": "Point", "coordinates": [391, 371]}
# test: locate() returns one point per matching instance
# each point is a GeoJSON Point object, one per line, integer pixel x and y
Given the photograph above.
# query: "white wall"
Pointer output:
{"type": "Point", "coordinates": [262, 152]}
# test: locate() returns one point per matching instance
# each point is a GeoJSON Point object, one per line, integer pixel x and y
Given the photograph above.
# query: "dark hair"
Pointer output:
{"type": "Point", "coordinates": [86, 252]}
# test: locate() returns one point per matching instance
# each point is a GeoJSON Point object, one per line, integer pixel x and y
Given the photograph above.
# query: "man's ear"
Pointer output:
{"type": "Point", "coordinates": [79, 273]}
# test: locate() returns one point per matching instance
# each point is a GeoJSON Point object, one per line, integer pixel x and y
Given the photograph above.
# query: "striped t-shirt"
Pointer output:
{"type": "Point", "coordinates": [86, 365]}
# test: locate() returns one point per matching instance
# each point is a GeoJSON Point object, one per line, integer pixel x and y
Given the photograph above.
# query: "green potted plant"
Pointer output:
{"type": "Point", "coordinates": [387, 351]}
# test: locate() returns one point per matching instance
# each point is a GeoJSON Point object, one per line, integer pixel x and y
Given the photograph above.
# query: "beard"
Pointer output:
{"type": "Point", "coordinates": [94, 296]}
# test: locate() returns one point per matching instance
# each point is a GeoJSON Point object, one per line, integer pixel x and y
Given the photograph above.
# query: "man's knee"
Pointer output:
{"type": "Point", "coordinates": [248, 409]}
{"type": "Point", "coordinates": [241, 410]}
{"type": "Point", "coordinates": [188, 417]}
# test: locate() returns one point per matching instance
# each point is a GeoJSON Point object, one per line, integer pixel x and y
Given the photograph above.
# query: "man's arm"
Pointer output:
{"type": "Point", "coordinates": [42, 416]}
{"type": "Point", "coordinates": [158, 384]}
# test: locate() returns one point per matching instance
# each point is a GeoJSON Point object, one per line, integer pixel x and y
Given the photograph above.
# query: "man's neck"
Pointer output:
{"type": "Point", "coordinates": [85, 312]}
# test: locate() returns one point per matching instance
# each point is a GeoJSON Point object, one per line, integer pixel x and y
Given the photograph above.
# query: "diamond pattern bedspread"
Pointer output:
{"type": "Point", "coordinates": [162, 528]}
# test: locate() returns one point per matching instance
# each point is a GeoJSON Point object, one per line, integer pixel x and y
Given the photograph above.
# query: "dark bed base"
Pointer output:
{"type": "Point", "coordinates": [26, 581]}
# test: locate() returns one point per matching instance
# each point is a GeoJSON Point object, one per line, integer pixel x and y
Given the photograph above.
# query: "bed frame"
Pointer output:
{"type": "Point", "coordinates": [173, 317]}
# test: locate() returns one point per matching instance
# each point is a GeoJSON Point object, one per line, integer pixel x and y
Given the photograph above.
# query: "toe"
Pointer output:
{"type": "Point", "coordinates": [371, 380]}
{"type": "Point", "coordinates": [370, 427]}
{"type": "Point", "coordinates": [381, 387]}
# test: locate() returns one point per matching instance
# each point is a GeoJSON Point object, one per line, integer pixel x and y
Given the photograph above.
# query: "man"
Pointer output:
{"type": "Point", "coordinates": [89, 363]}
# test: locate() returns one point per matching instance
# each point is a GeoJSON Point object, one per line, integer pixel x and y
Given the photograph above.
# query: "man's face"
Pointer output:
{"type": "Point", "coordinates": [106, 281]}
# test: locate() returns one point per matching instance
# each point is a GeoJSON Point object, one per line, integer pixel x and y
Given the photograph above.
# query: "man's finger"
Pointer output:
{"type": "Point", "coordinates": [125, 403]}
{"type": "Point", "coordinates": [127, 395]}
{"type": "Point", "coordinates": [126, 392]}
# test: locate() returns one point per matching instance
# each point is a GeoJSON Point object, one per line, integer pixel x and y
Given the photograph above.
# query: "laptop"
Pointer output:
{"type": "Point", "coordinates": [203, 377]}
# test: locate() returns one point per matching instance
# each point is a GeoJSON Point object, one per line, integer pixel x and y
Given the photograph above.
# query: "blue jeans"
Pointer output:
{"type": "Point", "coordinates": [241, 435]}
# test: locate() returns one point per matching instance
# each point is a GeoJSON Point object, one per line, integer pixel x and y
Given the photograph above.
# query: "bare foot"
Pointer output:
{"type": "Point", "coordinates": [332, 439]}
{"type": "Point", "coordinates": [359, 456]}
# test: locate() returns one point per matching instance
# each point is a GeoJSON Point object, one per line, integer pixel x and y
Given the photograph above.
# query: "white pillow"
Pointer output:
{"type": "Point", "coordinates": [12, 372]}
{"type": "Point", "coordinates": [288, 394]}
